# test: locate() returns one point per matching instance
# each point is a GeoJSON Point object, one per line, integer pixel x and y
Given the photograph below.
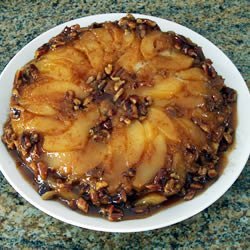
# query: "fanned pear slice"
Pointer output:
{"type": "Point", "coordinates": [189, 102]}
{"type": "Point", "coordinates": [163, 88]}
{"type": "Point", "coordinates": [42, 99]}
{"type": "Point", "coordinates": [116, 33]}
{"type": "Point", "coordinates": [67, 53]}
{"type": "Point", "coordinates": [91, 47]}
{"type": "Point", "coordinates": [38, 107]}
{"type": "Point", "coordinates": [191, 131]}
{"type": "Point", "coordinates": [152, 161]}
{"type": "Point", "coordinates": [151, 199]}
{"type": "Point", "coordinates": [196, 88]}
{"type": "Point", "coordinates": [153, 43]}
{"type": "Point", "coordinates": [75, 137]}
{"type": "Point", "coordinates": [104, 38]}
{"type": "Point", "coordinates": [47, 125]}
{"type": "Point", "coordinates": [51, 87]}
{"type": "Point", "coordinates": [64, 61]}
{"type": "Point", "coordinates": [58, 69]}
{"type": "Point", "coordinates": [136, 142]}
{"type": "Point", "coordinates": [150, 131]}
{"type": "Point", "coordinates": [192, 74]}
{"type": "Point", "coordinates": [145, 72]}
{"type": "Point", "coordinates": [172, 60]}
{"type": "Point", "coordinates": [128, 39]}
{"type": "Point", "coordinates": [77, 163]}
{"type": "Point", "coordinates": [131, 57]}
{"type": "Point", "coordinates": [44, 125]}
{"type": "Point", "coordinates": [118, 158]}
{"type": "Point", "coordinates": [165, 125]}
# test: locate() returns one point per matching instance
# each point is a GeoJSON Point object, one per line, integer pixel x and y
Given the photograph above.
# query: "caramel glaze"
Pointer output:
{"type": "Point", "coordinates": [120, 118]}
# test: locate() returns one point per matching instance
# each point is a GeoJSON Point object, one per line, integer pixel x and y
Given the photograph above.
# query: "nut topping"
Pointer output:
{"type": "Point", "coordinates": [82, 205]}
{"type": "Point", "coordinates": [90, 79]}
{"type": "Point", "coordinates": [108, 69]}
{"type": "Point", "coordinates": [42, 170]}
{"type": "Point", "coordinates": [118, 94]}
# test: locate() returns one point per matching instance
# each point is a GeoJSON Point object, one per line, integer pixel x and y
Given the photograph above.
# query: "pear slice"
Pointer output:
{"type": "Point", "coordinates": [151, 199]}
{"type": "Point", "coordinates": [50, 87]}
{"type": "Point", "coordinates": [116, 33]}
{"type": "Point", "coordinates": [172, 61]}
{"type": "Point", "coordinates": [131, 57]}
{"type": "Point", "coordinates": [116, 159]}
{"type": "Point", "coordinates": [128, 39]}
{"type": "Point", "coordinates": [91, 47]}
{"type": "Point", "coordinates": [189, 102]}
{"type": "Point", "coordinates": [56, 69]}
{"type": "Point", "coordinates": [164, 88]}
{"type": "Point", "coordinates": [191, 131]}
{"type": "Point", "coordinates": [192, 74]}
{"type": "Point", "coordinates": [42, 124]}
{"type": "Point", "coordinates": [150, 131]}
{"type": "Point", "coordinates": [64, 63]}
{"type": "Point", "coordinates": [152, 161]}
{"type": "Point", "coordinates": [104, 38]}
{"type": "Point", "coordinates": [183, 100]}
{"type": "Point", "coordinates": [106, 41]}
{"type": "Point", "coordinates": [153, 43]}
{"type": "Point", "coordinates": [37, 105]}
{"type": "Point", "coordinates": [67, 53]}
{"type": "Point", "coordinates": [75, 137]}
{"type": "Point", "coordinates": [47, 125]}
{"type": "Point", "coordinates": [42, 98]}
{"type": "Point", "coordinates": [165, 125]}
{"type": "Point", "coordinates": [76, 163]}
{"type": "Point", "coordinates": [126, 146]}
{"type": "Point", "coordinates": [196, 88]}
{"type": "Point", "coordinates": [39, 108]}
{"type": "Point", "coordinates": [135, 143]}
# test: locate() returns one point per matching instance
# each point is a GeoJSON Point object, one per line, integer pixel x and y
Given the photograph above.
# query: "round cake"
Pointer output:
{"type": "Point", "coordinates": [120, 118]}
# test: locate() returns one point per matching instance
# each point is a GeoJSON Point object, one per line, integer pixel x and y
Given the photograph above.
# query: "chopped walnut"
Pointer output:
{"type": "Point", "coordinates": [118, 94]}
{"type": "Point", "coordinates": [101, 132]}
{"type": "Point", "coordinates": [108, 69]}
{"type": "Point", "coordinates": [212, 173]}
{"type": "Point", "coordinates": [208, 68]}
{"type": "Point", "coordinates": [9, 137]}
{"type": "Point", "coordinates": [82, 205]}
{"type": "Point", "coordinates": [190, 195]}
{"type": "Point", "coordinates": [28, 144]}
{"type": "Point", "coordinates": [172, 187]}
{"type": "Point", "coordinates": [26, 75]}
{"type": "Point", "coordinates": [196, 186]}
{"type": "Point", "coordinates": [15, 111]}
{"type": "Point", "coordinates": [42, 170]}
{"type": "Point", "coordinates": [101, 184]}
{"type": "Point", "coordinates": [112, 213]}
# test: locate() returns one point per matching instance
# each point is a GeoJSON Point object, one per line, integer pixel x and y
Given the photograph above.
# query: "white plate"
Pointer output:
{"type": "Point", "coordinates": [236, 162]}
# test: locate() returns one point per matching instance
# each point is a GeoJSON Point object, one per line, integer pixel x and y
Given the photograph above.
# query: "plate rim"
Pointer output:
{"type": "Point", "coordinates": [116, 16]}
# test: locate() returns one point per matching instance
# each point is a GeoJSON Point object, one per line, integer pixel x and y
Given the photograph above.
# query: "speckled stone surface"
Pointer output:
{"type": "Point", "coordinates": [224, 225]}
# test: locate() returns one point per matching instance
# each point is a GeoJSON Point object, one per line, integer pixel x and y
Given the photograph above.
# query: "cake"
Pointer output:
{"type": "Point", "coordinates": [119, 118]}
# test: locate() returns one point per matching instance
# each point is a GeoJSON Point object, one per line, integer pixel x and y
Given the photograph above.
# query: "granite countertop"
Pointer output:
{"type": "Point", "coordinates": [225, 224]}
